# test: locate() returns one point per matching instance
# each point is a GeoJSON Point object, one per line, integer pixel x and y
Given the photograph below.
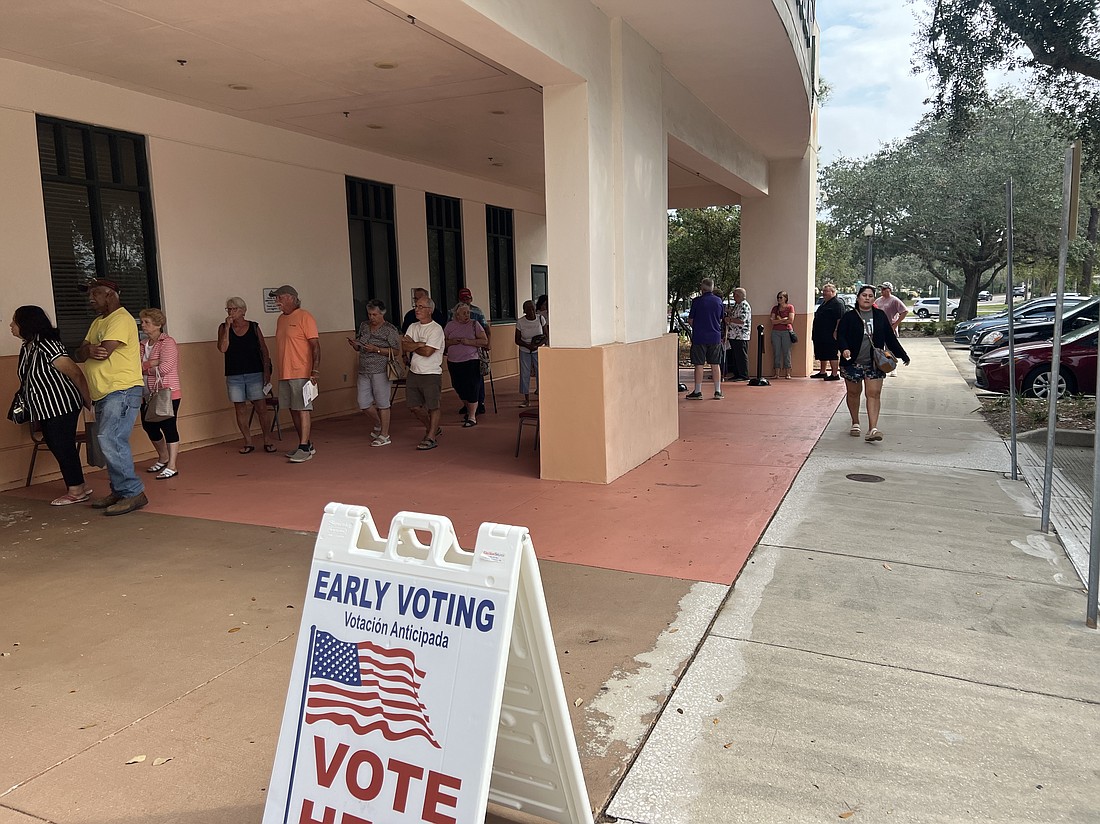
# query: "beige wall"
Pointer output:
{"type": "Point", "coordinates": [606, 409]}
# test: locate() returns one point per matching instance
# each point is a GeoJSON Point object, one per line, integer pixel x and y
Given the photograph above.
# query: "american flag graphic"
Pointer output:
{"type": "Point", "coordinates": [366, 687]}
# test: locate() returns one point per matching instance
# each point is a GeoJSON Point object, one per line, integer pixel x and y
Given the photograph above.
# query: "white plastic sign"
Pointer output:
{"type": "Point", "coordinates": [399, 672]}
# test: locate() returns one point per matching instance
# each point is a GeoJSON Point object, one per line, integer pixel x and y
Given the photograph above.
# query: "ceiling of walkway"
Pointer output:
{"type": "Point", "coordinates": [357, 72]}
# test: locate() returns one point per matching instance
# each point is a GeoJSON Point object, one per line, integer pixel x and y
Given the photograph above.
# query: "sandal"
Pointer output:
{"type": "Point", "coordinates": [468, 423]}
{"type": "Point", "coordinates": [524, 404]}
{"type": "Point", "coordinates": [855, 431]}
{"type": "Point", "coordinates": [69, 498]}
{"type": "Point", "coordinates": [157, 467]}
{"type": "Point", "coordinates": [270, 447]}
{"type": "Point", "coordinates": [380, 440]}
{"type": "Point", "coordinates": [873, 435]}
{"type": "Point", "coordinates": [244, 450]}
{"type": "Point", "coordinates": [426, 444]}
{"type": "Point", "coordinates": [167, 473]}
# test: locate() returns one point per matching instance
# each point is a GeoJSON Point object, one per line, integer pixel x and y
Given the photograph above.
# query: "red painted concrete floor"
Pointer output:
{"type": "Point", "coordinates": [694, 511]}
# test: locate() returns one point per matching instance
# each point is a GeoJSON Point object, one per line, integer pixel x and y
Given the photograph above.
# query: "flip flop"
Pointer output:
{"type": "Point", "coordinates": [167, 473]}
{"type": "Point", "coordinates": [426, 444]}
{"type": "Point", "coordinates": [468, 423]}
{"type": "Point", "coordinates": [854, 431]}
{"type": "Point", "coordinates": [270, 447]}
{"type": "Point", "coordinates": [244, 450]}
{"type": "Point", "coordinates": [873, 435]}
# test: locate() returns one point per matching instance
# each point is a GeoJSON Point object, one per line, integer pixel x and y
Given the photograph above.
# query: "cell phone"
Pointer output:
{"type": "Point", "coordinates": [267, 388]}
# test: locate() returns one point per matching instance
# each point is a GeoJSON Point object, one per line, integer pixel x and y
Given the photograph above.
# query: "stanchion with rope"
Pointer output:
{"type": "Point", "coordinates": [759, 380]}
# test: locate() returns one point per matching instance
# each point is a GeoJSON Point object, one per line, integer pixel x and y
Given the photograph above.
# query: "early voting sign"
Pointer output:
{"type": "Point", "coordinates": [397, 709]}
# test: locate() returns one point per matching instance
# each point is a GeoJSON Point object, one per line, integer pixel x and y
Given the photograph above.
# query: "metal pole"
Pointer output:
{"type": "Point", "coordinates": [1011, 328]}
{"type": "Point", "coordinates": [1093, 583]}
{"type": "Point", "coordinates": [1056, 354]}
{"type": "Point", "coordinates": [871, 259]}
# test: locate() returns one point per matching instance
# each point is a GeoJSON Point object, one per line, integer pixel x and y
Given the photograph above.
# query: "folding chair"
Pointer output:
{"type": "Point", "coordinates": [40, 443]}
{"type": "Point", "coordinates": [527, 417]}
{"type": "Point", "coordinates": [273, 405]}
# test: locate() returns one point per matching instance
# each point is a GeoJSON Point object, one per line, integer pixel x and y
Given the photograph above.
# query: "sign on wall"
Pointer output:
{"type": "Point", "coordinates": [271, 306]}
{"type": "Point", "coordinates": [395, 710]}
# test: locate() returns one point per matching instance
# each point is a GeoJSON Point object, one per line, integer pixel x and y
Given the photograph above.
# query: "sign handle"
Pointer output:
{"type": "Point", "coordinates": [403, 535]}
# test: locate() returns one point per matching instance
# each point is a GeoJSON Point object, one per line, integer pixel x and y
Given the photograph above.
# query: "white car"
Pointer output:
{"type": "Point", "coordinates": [930, 307]}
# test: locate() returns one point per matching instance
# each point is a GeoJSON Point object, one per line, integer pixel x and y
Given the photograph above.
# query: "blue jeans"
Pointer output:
{"type": "Point", "coordinates": [115, 415]}
{"type": "Point", "coordinates": [528, 363]}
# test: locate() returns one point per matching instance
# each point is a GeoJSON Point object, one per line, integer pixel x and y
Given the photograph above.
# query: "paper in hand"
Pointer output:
{"type": "Point", "coordinates": [309, 392]}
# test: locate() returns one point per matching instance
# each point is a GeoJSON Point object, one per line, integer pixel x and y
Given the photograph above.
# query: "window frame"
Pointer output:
{"type": "Point", "coordinates": [500, 233]}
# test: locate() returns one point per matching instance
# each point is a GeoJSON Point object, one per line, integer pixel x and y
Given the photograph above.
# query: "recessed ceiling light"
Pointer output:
{"type": "Point", "coordinates": [498, 111]}
{"type": "Point", "coordinates": [496, 163]}
{"type": "Point", "coordinates": [385, 64]}
{"type": "Point", "coordinates": [240, 87]}
{"type": "Point", "coordinates": [375, 126]}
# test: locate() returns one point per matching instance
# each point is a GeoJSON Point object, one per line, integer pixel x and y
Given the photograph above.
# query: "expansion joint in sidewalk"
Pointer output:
{"type": "Point", "coordinates": [915, 670]}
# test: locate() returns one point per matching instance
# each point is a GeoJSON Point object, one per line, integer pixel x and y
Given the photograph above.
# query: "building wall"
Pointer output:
{"type": "Point", "coordinates": [238, 207]}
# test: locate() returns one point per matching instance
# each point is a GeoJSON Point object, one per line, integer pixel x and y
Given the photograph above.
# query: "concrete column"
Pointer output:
{"type": "Point", "coordinates": [607, 393]}
{"type": "Point", "coordinates": [778, 253]}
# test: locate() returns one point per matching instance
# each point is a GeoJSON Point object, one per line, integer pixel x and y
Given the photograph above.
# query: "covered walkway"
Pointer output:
{"type": "Point", "coordinates": [694, 511]}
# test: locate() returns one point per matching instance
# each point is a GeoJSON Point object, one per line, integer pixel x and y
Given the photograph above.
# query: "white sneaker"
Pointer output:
{"type": "Point", "coordinates": [300, 455]}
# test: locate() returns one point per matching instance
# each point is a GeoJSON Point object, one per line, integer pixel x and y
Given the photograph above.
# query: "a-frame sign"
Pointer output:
{"type": "Point", "coordinates": [425, 682]}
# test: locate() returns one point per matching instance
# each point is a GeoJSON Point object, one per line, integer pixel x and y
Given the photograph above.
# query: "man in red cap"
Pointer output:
{"type": "Point", "coordinates": [112, 359]}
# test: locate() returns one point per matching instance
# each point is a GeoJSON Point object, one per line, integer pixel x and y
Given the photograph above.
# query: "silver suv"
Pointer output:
{"type": "Point", "coordinates": [930, 307]}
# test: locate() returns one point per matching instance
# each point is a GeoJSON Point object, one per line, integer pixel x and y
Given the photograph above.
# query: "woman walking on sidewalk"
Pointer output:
{"type": "Point", "coordinates": [859, 331]}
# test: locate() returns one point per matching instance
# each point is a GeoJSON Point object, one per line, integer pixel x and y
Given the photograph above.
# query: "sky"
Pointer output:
{"type": "Point", "coordinates": [866, 48]}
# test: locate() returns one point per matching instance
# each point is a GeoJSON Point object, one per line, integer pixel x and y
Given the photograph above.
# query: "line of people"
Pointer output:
{"type": "Point", "coordinates": [122, 377]}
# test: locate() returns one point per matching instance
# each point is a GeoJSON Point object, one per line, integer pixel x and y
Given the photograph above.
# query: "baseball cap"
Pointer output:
{"type": "Point", "coordinates": [285, 289]}
{"type": "Point", "coordinates": [465, 294]}
{"type": "Point", "coordinates": [92, 283]}
{"type": "Point", "coordinates": [886, 285]}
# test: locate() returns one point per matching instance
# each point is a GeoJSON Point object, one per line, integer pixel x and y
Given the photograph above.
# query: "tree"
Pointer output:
{"type": "Point", "coordinates": [703, 243]}
{"type": "Point", "coordinates": [1058, 42]}
{"type": "Point", "coordinates": [836, 254]}
{"type": "Point", "coordinates": [940, 197]}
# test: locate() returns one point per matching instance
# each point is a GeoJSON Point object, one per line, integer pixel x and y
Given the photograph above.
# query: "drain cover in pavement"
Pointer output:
{"type": "Point", "coordinates": [865, 479]}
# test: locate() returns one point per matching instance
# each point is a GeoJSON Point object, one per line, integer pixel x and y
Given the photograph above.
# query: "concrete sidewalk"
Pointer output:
{"type": "Point", "coordinates": [912, 649]}
{"type": "Point", "coordinates": [907, 650]}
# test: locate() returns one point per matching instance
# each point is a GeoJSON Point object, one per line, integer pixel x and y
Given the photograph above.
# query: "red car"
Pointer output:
{"type": "Point", "coordinates": [1077, 375]}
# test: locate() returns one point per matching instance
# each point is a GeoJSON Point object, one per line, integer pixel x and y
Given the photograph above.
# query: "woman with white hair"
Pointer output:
{"type": "Point", "coordinates": [247, 370]}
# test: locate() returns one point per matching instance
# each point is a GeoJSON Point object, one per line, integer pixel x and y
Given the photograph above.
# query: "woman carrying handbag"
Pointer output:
{"type": "Point", "coordinates": [53, 390]}
{"type": "Point", "coordinates": [159, 361]}
{"type": "Point", "coordinates": [861, 332]}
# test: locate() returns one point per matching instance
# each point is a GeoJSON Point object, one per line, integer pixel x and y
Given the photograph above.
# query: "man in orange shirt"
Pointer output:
{"type": "Point", "coordinates": [299, 353]}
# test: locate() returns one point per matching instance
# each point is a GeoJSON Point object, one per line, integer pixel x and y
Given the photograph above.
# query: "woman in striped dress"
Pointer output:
{"type": "Point", "coordinates": [55, 390]}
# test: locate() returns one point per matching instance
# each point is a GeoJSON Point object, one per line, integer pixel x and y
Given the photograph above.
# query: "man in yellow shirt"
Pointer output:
{"type": "Point", "coordinates": [112, 359]}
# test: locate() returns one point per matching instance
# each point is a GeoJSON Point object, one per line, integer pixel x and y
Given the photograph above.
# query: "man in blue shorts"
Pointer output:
{"type": "Point", "coordinates": [705, 319]}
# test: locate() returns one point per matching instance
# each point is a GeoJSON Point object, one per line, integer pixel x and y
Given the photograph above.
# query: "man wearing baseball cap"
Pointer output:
{"type": "Point", "coordinates": [889, 303]}
{"type": "Point", "coordinates": [112, 359]}
{"type": "Point", "coordinates": [298, 345]}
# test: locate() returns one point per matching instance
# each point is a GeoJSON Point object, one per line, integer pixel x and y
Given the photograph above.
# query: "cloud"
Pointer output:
{"type": "Point", "coordinates": [875, 98]}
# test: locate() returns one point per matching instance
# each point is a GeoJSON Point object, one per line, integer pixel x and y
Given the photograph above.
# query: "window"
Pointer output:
{"type": "Point", "coordinates": [445, 274]}
{"type": "Point", "coordinates": [373, 248]}
{"type": "Point", "coordinates": [502, 263]}
{"type": "Point", "coordinates": [99, 218]}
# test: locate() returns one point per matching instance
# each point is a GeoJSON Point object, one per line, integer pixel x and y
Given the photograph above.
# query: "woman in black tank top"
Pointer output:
{"type": "Point", "coordinates": [247, 370]}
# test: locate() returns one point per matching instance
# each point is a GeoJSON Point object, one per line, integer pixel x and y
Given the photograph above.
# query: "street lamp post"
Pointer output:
{"type": "Point", "coordinates": [869, 233]}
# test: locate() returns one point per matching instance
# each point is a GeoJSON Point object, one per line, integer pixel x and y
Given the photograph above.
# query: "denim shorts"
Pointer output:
{"type": "Point", "coordinates": [243, 388]}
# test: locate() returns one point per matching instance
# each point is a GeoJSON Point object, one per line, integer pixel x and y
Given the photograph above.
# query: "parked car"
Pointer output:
{"type": "Point", "coordinates": [1074, 317]}
{"type": "Point", "coordinates": [1019, 291]}
{"type": "Point", "coordinates": [1077, 374]}
{"type": "Point", "coordinates": [966, 331]}
{"type": "Point", "coordinates": [930, 307]}
{"type": "Point", "coordinates": [849, 300]}
{"type": "Point", "coordinates": [984, 295]}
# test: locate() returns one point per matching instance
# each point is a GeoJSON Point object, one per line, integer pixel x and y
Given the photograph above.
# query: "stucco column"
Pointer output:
{"type": "Point", "coordinates": [608, 381]}
{"type": "Point", "coordinates": [778, 253]}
